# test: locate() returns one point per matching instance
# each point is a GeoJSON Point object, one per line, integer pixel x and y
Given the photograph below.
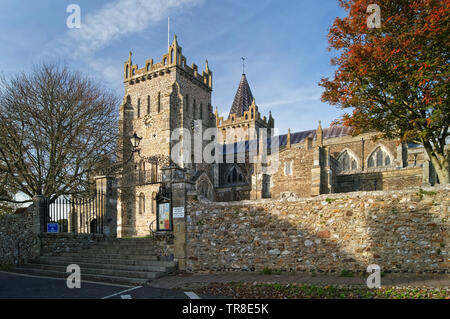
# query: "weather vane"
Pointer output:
{"type": "Point", "coordinates": [243, 65]}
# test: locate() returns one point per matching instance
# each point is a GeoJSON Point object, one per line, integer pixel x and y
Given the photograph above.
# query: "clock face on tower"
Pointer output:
{"type": "Point", "coordinates": [147, 121]}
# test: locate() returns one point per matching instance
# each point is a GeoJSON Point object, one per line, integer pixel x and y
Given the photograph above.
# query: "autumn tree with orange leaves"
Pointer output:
{"type": "Point", "coordinates": [395, 78]}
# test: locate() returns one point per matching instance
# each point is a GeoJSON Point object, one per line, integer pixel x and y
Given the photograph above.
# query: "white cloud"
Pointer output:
{"type": "Point", "coordinates": [111, 23]}
{"type": "Point", "coordinates": [116, 20]}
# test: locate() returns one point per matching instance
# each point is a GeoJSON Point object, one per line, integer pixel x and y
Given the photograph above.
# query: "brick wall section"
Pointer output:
{"type": "Point", "coordinates": [402, 231]}
{"type": "Point", "coordinates": [17, 241]}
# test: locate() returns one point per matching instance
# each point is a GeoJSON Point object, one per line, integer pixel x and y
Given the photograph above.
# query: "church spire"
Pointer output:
{"type": "Point", "coordinates": [243, 98]}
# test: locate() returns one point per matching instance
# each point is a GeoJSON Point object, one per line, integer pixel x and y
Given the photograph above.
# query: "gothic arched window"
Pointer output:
{"type": "Point", "coordinates": [154, 173]}
{"type": "Point", "coordinates": [153, 203]}
{"type": "Point", "coordinates": [194, 109]}
{"type": "Point", "coordinates": [187, 103]}
{"type": "Point", "coordinates": [201, 111]}
{"type": "Point", "coordinates": [139, 108]}
{"type": "Point", "coordinates": [347, 161]}
{"type": "Point", "coordinates": [159, 102]}
{"type": "Point", "coordinates": [379, 158]}
{"type": "Point", "coordinates": [234, 175]}
{"type": "Point", "coordinates": [141, 172]}
{"type": "Point", "coordinates": [141, 203]}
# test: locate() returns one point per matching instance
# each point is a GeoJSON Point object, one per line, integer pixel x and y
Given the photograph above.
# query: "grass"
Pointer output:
{"type": "Point", "coordinates": [5, 267]}
{"type": "Point", "coordinates": [422, 192]}
{"type": "Point", "coordinates": [299, 291]}
{"type": "Point", "coordinates": [330, 200]}
{"type": "Point", "coordinates": [346, 273]}
{"type": "Point", "coordinates": [269, 271]}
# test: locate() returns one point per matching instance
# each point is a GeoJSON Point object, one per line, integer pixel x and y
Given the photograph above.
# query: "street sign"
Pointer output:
{"type": "Point", "coordinates": [52, 228]}
{"type": "Point", "coordinates": [178, 212]}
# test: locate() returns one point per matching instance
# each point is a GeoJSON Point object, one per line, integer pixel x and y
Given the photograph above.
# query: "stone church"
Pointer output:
{"type": "Point", "coordinates": [167, 95]}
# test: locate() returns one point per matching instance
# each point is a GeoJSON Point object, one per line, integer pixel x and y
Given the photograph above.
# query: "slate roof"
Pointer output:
{"type": "Point", "coordinates": [297, 137]}
{"type": "Point", "coordinates": [243, 98]}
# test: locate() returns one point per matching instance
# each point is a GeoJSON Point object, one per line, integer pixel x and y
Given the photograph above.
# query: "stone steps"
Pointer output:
{"type": "Point", "coordinates": [116, 251]}
{"type": "Point", "coordinates": [124, 261]}
{"type": "Point", "coordinates": [127, 242]}
{"type": "Point", "coordinates": [96, 271]}
{"type": "Point", "coordinates": [90, 277]}
{"type": "Point", "coordinates": [110, 256]}
{"type": "Point", "coordinates": [129, 262]}
{"type": "Point", "coordinates": [100, 264]}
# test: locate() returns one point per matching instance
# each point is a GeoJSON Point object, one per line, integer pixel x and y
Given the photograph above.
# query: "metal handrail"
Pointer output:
{"type": "Point", "coordinates": [152, 228]}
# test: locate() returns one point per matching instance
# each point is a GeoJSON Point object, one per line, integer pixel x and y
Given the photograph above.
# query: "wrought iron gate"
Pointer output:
{"type": "Point", "coordinates": [75, 215]}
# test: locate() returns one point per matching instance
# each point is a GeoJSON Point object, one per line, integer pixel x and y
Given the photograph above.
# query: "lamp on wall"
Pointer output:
{"type": "Point", "coordinates": [135, 141]}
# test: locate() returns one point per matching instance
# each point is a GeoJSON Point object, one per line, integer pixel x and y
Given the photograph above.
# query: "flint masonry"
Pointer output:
{"type": "Point", "coordinates": [169, 94]}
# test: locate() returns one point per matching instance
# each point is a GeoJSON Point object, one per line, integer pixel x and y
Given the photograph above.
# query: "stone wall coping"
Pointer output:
{"type": "Point", "coordinates": [366, 170]}
{"type": "Point", "coordinates": [322, 197]}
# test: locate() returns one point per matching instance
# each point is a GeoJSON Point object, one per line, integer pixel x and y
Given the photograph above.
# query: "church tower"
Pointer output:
{"type": "Point", "coordinates": [244, 119]}
{"type": "Point", "coordinates": [159, 98]}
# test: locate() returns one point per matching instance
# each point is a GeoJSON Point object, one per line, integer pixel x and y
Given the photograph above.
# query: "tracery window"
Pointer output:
{"type": "Point", "coordinates": [347, 161]}
{"type": "Point", "coordinates": [379, 158]}
{"type": "Point", "coordinates": [234, 176]}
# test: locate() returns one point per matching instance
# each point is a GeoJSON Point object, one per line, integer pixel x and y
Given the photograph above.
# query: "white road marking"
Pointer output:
{"type": "Point", "coordinates": [191, 295]}
{"type": "Point", "coordinates": [125, 296]}
{"type": "Point", "coordinates": [55, 278]}
{"type": "Point", "coordinates": [121, 292]}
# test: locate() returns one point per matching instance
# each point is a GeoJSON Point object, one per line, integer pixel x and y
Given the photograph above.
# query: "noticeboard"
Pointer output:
{"type": "Point", "coordinates": [164, 218]}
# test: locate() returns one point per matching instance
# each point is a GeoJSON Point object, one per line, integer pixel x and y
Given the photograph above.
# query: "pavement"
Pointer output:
{"type": "Point", "coordinates": [180, 286]}
{"type": "Point", "coordinates": [186, 281]}
{"type": "Point", "coordinates": [19, 286]}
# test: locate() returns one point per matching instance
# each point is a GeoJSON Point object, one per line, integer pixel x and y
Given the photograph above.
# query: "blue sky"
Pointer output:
{"type": "Point", "coordinates": [284, 42]}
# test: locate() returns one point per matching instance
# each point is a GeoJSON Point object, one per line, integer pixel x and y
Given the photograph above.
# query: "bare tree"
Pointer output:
{"type": "Point", "coordinates": [57, 129]}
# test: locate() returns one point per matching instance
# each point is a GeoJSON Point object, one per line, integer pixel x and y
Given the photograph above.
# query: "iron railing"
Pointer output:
{"type": "Point", "coordinates": [147, 177]}
{"type": "Point", "coordinates": [74, 215]}
{"type": "Point", "coordinates": [139, 178]}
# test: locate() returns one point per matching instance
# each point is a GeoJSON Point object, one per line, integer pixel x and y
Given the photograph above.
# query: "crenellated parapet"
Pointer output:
{"type": "Point", "coordinates": [251, 121]}
{"type": "Point", "coordinates": [249, 116]}
{"type": "Point", "coordinates": [173, 59]}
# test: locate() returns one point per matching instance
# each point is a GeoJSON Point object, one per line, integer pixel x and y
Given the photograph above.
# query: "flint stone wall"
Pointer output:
{"type": "Point", "coordinates": [54, 244]}
{"type": "Point", "coordinates": [18, 241]}
{"type": "Point", "coordinates": [401, 231]}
